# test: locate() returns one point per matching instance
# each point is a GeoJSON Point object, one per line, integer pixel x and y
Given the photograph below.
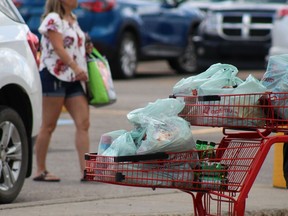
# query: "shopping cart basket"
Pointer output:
{"type": "Point", "coordinates": [218, 180]}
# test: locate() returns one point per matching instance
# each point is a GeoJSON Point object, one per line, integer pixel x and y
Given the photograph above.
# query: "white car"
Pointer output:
{"type": "Point", "coordinates": [20, 100]}
{"type": "Point", "coordinates": [279, 33]}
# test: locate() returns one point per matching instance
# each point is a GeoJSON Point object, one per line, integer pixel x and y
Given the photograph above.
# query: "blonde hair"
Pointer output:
{"type": "Point", "coordinates": [54, 6]}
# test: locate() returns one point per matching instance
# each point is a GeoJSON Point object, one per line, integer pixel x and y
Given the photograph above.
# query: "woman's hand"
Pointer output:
{"type": "Point", "coordinates": [88, 44]}
{"type": "Point", "coordinates": [80, 74]}
{"type": "Point", "coordinates": [81, 77]}
{"type": "Point", "coordinates": [89, 47]}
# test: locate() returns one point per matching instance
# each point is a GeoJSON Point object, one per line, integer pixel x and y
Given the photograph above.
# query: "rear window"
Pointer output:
{"type": "Point", "coordinates": [8, 8]}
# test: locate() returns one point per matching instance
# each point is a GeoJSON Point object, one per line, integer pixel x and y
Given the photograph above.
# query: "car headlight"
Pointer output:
{"type": "Point", "coordinates": [211, 23]}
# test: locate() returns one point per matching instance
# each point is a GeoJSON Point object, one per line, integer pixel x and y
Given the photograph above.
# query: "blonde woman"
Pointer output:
{"type": "Point", "coordinates": [63, 74]}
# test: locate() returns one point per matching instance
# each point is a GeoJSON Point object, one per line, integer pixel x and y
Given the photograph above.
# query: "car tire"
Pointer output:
{"type": "Point", "coordinates": [13, 154]}
{"type": "Point", "coordinates": [187, 62]}
{"type": "Point", "coordinates": [125, 62]}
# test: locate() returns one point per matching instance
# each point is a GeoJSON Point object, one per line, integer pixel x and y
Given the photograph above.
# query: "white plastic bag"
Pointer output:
{"type": "Point", "coordinates": [164, 130]}
{"type": "Point", "coordinates": [277, 68]}
{"type": "Point", "coordinates": [224, 113]}
{"type": "Point", "coordinates": [158, 109]}
{"type": "Point", "coordinates": [190, 85]}
{"type": "Point", "coordinates": [179, 175]}
{"type": "Point", "coordinates": [280, 101]}
{"type": "Point", "coordinates": [220, 84]}
{"type": "Point", "coordinates": [121, 146]}
{"type": "Point", "coordinates": [107, 139]}
{"type": "Point", "coordinates": [276, 80]}
{"type": "Point", "coordinates": [170, 134]}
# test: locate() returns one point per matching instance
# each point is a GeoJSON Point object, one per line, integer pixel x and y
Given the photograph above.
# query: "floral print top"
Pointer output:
{"type": "Point", "coordinates": [74, 44]}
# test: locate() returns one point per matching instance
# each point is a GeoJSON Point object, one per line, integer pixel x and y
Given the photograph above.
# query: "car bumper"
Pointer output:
{"type": "Point", "coordinates": [213, 49]}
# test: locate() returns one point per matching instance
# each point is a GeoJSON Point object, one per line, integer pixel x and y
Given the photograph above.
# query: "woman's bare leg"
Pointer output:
{"type": "Point", "coordinates": [52, 107]}
{"type": "Point", "coordinates": [79, 110]}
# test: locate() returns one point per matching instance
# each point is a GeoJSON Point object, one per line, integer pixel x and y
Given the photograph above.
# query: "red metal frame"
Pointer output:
{"type": "Point", "coordinates": [247, 121]}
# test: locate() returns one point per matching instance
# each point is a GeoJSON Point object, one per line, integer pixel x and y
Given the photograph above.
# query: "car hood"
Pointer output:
{"type": "Point", "coordinates": [246, 6]}
{"type": "Point", "coordinates": [204, 5]}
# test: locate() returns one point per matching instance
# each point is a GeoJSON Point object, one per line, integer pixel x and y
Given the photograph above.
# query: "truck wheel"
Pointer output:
{"type": "Point", "coordinates": [13, 154]}
{"type": "Point", "coordinates": [125, 63]}
{"type": "Point", "coordinates": [187, 62]}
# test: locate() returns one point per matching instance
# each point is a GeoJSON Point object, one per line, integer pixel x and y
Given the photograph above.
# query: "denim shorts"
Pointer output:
{"type": "Point", "coordinates": [53, 87]}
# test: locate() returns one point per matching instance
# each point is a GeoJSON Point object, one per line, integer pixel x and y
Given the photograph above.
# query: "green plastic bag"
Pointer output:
{"type": "Point", "coordinates": [100, 88]}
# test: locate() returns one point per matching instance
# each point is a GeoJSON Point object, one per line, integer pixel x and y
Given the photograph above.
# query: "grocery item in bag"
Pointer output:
{"type": "Point", "coordinates": [107, 139]}
{"type": "Point", "coordinates": [121, 146]}
{"type": "Point", "coordinates": [179, 176]}
{"type": "Point", "coordinates": [170, 134]}
{"type": "Point", "coordinates": [164, 130]}
{"type": "Point", "coordinates": [238, 109]}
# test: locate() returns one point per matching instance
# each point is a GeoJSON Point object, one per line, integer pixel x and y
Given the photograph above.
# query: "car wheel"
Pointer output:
{"type": "Point", "coordinates": [13, 154]}
{"type": "Point", "coordinates": [187, 62]}
{"type": "Point", "coordinates": [125, 63]}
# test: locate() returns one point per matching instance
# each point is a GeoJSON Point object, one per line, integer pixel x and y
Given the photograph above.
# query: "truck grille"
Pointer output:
{"type": "Point", "coordinates": [245, 25]}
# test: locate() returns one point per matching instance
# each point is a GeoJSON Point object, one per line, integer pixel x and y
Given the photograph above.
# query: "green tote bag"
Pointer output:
{"type": "Point", "coordinates": [100, 88]}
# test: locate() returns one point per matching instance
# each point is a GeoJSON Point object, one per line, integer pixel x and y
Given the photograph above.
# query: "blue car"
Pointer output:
{"type": "Point", "coordinates": [129, 31]}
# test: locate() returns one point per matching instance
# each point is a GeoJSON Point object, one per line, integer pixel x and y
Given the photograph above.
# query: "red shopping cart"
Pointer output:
{"type": "Point", "coordinates": [218, 179]}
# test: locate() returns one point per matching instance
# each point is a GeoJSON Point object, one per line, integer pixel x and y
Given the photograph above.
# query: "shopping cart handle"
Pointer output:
{"type": "Point", "coordinates": [209, 98]}
{"type": "Point", "coordinates": [136, 158]}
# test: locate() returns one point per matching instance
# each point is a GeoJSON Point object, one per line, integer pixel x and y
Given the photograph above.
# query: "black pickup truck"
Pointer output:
{"type": "Point", "coordinates": [236, 32]}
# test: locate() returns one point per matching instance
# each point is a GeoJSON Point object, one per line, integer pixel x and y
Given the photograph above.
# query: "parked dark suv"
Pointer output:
{"type": "Point", "coordinates": [236, 31]}
{"type": "Point", "coordinates": [128, 31]}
